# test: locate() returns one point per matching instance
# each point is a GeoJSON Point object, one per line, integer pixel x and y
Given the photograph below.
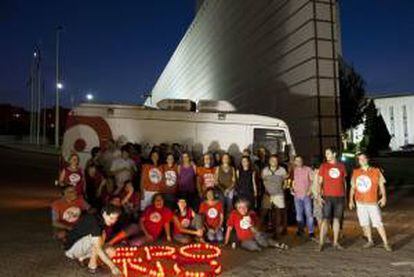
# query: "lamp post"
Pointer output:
{"type": "Point", "coordinates": [59, 86]}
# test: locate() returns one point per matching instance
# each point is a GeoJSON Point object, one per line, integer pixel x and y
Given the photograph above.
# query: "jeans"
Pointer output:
{"type": "Point", "coordinates": [260, 240]}
{"type": "Point", "coordinates": [303, 206]}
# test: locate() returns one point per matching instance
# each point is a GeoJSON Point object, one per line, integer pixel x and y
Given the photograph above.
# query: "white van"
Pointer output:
{"type": "Point", "coordinates": [92, 124]}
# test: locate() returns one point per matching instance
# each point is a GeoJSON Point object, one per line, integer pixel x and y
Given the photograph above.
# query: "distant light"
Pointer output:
{"type": "Point", "coordinates": [35, 54]}
{"type": "Point", "coordinates": [89, 97]}
{"type": "Point", "coordinates": [343, 158]}
{"type": "Point", "coordinates": [59, 85]}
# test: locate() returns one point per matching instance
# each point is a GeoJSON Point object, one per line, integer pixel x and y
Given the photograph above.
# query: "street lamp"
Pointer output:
{"type": "Point", "coordinates": [59, 86]}
{"type": "Point", "coordinates": [89, 97]}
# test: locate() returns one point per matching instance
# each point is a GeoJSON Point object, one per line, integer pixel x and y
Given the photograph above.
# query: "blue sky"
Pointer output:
{"type": "Point", "coordinates": [117, 51]}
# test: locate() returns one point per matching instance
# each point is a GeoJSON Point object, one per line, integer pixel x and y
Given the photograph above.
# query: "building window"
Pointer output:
{"type": "Point", "coordinates": [405, 123]}
{"type": "Point", "coordinates": [392, 123]}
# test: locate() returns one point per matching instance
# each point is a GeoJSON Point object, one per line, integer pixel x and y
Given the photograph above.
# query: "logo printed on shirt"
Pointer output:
{"type": "Point", "coordinates": [363, 183]}
{"type": "Point", "coordinates": [155, 175]}
{"type": "Point", "coordinates": [185, 223]}
{"type": "Point", "coordinates": [71, 214]}
{"type": "Point", "coordinates": [334, 173]}
{"type": "Point", "coordinates": [208, 180]}
{"type": "Point", "coordinates": [155, 217]}
{"type": "Point", "coordinates": [246, 222]}
{"type": "Point", "coordinates": [74, 178]}
{"type": "Point", "coordinates": [170, 178]}
{"type": "Point", "coordinates": [212, 213]}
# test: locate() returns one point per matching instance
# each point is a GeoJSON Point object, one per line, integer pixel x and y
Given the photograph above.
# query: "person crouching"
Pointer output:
{"type": "Point", "coordinates": [246, 224]}
{"type": "Point", "coordinates": [187, 224]}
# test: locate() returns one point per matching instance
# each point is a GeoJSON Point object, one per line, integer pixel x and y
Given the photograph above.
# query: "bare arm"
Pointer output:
{"type": "Point", "coordinates": [130, 191]}
{"type": "Point", "coordinates": [228, 232]}
{"type": "Point", "coordinates": [167, 229]}
{"type": "Point", "coordinates": [383, 191]}
{"type": "Point", "coordinates": [97, 251]}
{"type": "Point", "coordinates": [254, 184]}
{"type": "Point", "coordinates": [62, 178]}
{"type": "Point", "coordinates": [184, 230]}
{"type": "Point", "coordinates": [352, 194]}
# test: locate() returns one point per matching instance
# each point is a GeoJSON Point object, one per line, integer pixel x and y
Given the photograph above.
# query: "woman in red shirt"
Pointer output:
{"type": "Point", "coordinates": [187, 224]}
{"type": "Point", "coordinates": [205, 175]}
{"type": "Point", "coordinates": [72, 175]}
{"type": "Point", "coordinates": [151, 179]}
{"type": "Point", "coordinates": [212, 212]}
{"type": "Point", "coordinates": [169, 186]}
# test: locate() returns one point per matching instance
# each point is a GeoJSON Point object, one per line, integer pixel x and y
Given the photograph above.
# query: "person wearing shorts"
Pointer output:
{"type": "Point", "coordinates": [152, 179]}
{"type": "Point", "coordinates": [331, 194]}
{"type": "Point", "coordinates": [366, 184]}
{"type": "Point", "coordinates": [273, 201]}
{"type": "Point", "coordinates": [87, 238]}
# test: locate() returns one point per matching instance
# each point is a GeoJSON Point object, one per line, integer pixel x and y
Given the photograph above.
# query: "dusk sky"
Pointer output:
{"type": "Point", "coordinates": [117, 49]}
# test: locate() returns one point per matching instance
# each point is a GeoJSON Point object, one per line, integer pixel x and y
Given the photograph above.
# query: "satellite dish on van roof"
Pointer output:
{"type": "Point", "coordinates": [215, 106]}
{"type": "Point", "coordinates": [177, 105]}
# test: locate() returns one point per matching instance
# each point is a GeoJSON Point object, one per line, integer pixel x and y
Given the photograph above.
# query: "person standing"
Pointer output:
{"type": "Point", "coordinates": [246, 186]}
{"type": "Point", "coordinates": [225, 177]}
{"type": "Point", "coordinates": [123, 169]}
{"type": "Point", "coordinates": [170, 184]}
{"type": "Point", "coordinates": [151, 179]}
{"type": "Point", "coordinates": [366, 184]}
{"type": "Point", "coordinates": [331, 194]}
{"type": "Point", "coordinates": [273, 177]}
{"type": "Point", "coordinates": [302, 190]}
{"type": "Point", "coordinates": [205, 175]}
{"type": "Point", "coordinates": [187, 181]}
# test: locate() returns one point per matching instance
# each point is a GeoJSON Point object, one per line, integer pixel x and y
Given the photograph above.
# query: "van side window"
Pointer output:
{"type": "Point", "coordinates": [273, 140]}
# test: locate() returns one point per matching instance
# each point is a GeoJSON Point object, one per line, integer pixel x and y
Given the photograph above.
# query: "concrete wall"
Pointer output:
{"type": "Point", "coordinates": [272, 57]}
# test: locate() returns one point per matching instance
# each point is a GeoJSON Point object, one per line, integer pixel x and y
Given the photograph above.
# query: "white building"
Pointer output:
{"type": "Point", "coordinates": [397, 110]}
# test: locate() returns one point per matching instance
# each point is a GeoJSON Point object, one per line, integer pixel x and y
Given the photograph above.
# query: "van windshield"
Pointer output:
{"type": "Point", "coordinates": [273, 140]}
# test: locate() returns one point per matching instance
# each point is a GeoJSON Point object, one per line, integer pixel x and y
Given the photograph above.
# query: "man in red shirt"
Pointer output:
{"type": "Point", "coordinates": [246, 223]}
{"type": "Point", "coordinates": [67, 211]}
{"type": "Point", "coordinates": [155, 219]}
{"type": "Point", "coordinates": [331, 194]}
{"type": "Point", "coordinates": [366, 184]}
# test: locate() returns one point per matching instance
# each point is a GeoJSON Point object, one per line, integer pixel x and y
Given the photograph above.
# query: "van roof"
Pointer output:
{"type": "Point", "coordinates": [145, 112]}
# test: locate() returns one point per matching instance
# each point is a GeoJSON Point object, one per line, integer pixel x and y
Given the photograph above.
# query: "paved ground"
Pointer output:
{"type": "Point", "coordinates": [26, 248]}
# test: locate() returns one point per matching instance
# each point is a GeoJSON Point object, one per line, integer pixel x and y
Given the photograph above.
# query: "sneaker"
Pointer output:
{"type": "Point", "coordinates": [369, 244]}
{"type": "Point", "coordinates": [387, 247]}
{"type": "Point", "coordinates": [337, 246]}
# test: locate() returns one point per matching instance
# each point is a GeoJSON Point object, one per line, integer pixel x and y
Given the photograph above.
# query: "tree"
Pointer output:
{"type": "Point", "coordinates": [376, 135]}
{"type": "Point", "coordinates": [352, 96]}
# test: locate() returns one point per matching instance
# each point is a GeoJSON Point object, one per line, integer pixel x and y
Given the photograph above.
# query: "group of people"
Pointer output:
{"type": "Point", "coordinates": [122, 199]}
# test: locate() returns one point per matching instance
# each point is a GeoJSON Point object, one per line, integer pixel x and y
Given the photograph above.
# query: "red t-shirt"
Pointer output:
{"type": "Point", "coordinates": [76, 179]}
{"type": "Point", "coordinates": [211, 213]}
{"type": "Point", "coordinates": [152, 177]}
{"type": "Point", "coordinates": [155, 219]}
{"type": "Point", "coordinates": [206, 177]}
{"type": "Point", "coordinates": [68, 213]}
{"type": "Point", "coordinates": [243, 224]}
{"type": "Point", "coordinates": [333, 179]}
{"type": "Point", "coordinates": [170, 179]}
{"type": "Point", "coordinates": [185, 220]}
